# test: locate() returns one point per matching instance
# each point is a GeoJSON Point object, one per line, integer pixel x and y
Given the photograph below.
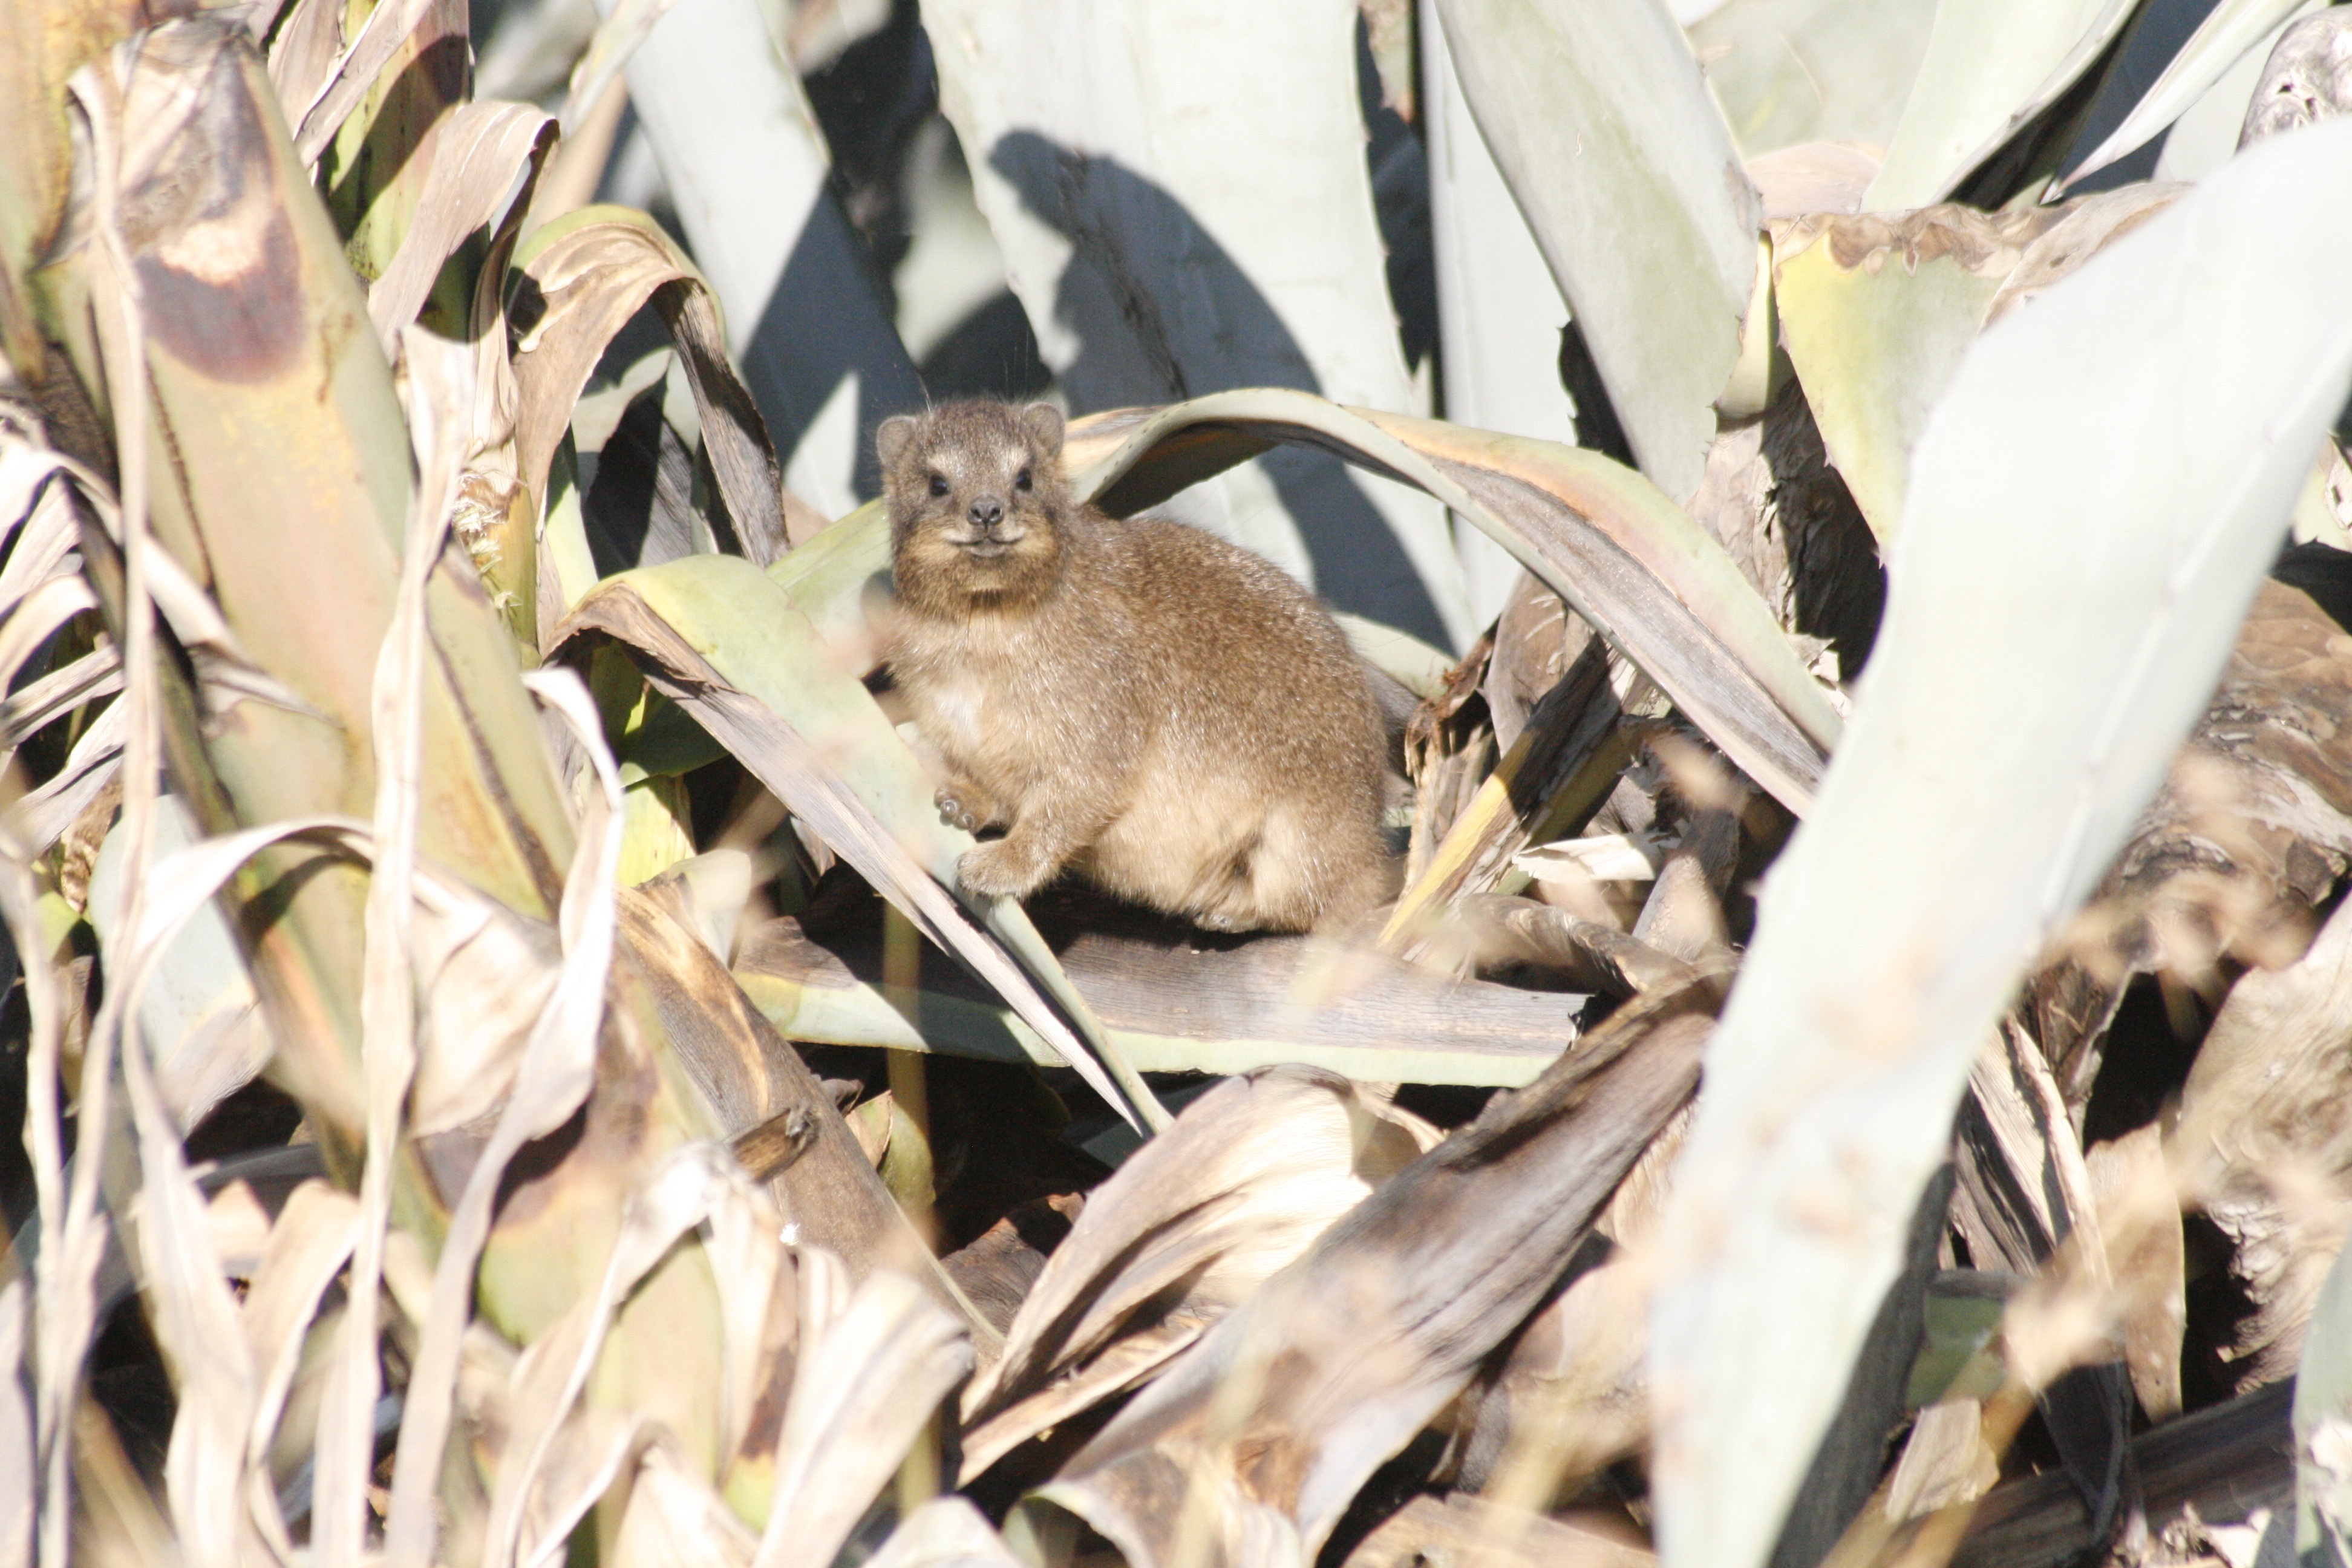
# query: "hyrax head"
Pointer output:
{"type": "Point", "coordinates": [976, 499]}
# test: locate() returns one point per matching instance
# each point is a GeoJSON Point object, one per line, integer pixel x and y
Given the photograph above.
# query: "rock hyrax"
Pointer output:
{"type": "Point", "coordinates": [1171, 716]}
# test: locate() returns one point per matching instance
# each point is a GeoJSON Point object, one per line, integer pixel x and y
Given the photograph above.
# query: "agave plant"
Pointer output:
{"type": "Point", "coordinates": [508, 1070]}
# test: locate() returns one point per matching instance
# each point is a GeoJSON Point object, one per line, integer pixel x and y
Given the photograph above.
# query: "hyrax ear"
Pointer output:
{"type": "Point", "coordinates": [892, 438]}
{"type": "Point", "coordinates": [1043, 423]}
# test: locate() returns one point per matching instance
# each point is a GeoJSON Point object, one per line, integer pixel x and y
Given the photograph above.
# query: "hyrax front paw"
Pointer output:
{"type": "Point", "coordinates": [955, 808]}
{"type": "Point", "coordinates": [999, 871]}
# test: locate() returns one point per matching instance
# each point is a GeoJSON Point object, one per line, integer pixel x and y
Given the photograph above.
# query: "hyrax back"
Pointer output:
{"type": "Point", "coordinates": [1168, 714]}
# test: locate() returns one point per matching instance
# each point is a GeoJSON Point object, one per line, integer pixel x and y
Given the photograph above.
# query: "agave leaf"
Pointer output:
{"type": "Point", "coordinates": [816, 740]}
{"type": "Point", "coordinates": [2112, 574]}
{"type": "Point", "coordinates": [554, 1076]}
{"type": "Point", "coordinates": [755, 1082]}
{"type": "Point", "coordinates": [1173, 1007]}
{"type": "Point", "coordinates": [1622, 555]}
{"type": "Point", "coordinates": [1595, 112]}
{"type": "Point", "coordinates": [1500, 372]}
{"type": "Point", "coordinates": [1791, 71]}
{"type": "Point", "coordinates": [1194, 1221]}
{"type": "Point", "coordinates": [624, 27]}
{"type": "Point", "coordinates": [692, 1185]}
{"type": "Point", "coordinates": [725, 114]}
{"type": "Point", "coordinates": [1254, 1441]}
{"type": "Point", "coordinates": [593, 269]}
{"type": "Point", "coordinates": [2206, 135]}
{"type": "Point", "coordinates": [477, 156]}
{"type": "Point", "coordinates": [1184, 206]}
{"type": "Point", "coordinates": [283, 479]}
{"type": "Point", "coordinates": [42, 44]}
{"type": "Point", "coordinates": [1875, 311]}
{"type": "Point", "coordinates": [2229, 31]}
{"type": "Point", "coordinates": [1400, 656]}
{"type": "Point", "coordinates": [1991, 66]}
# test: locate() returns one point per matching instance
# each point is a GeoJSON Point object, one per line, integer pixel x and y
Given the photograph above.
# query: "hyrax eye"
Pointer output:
{"type": "Point", "coordinates": [938, 484]}
{"type": "Point", "coordinates": [1021, 480]}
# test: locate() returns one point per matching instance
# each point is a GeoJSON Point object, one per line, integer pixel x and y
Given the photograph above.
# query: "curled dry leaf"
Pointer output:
{"type": "Point", "coordinates": [590, 271]}
{"type": "Point", "coordinates": [2091, 224]}
{"type": "Point", "coordinates": [1572, 1395]}
{"type": "Point", "coordinates": [1876, 309]}
{"type": "Point", "coordinates": [945, 1533]}
{"type": "Point", "coordinates": [1242, 1183]}
{"type": "Point", "coordinates": [477, 154]}
{"type": "Point", "coordinates": [1256, 1439]}
{"type": "Point", "coordinates": [862, 1388]}
{"type": "Point", "coordinates": [2308, 79]}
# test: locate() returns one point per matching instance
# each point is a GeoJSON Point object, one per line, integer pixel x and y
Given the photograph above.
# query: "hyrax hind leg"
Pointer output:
{"type": "Point", "coordinates": [1281, 879]}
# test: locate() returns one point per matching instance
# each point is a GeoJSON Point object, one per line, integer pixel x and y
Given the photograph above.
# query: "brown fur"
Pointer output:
{"type": "Point", "coordinates": [1171, 716]}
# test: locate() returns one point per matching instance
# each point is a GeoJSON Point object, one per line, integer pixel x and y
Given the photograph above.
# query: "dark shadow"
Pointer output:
{"type": "Point", "coordinates": [1398, 163]}
{"type": "Point", "coordinates": [1597, 424]}
{"type": "Point", "coordinates": [991, 353]}
{"type": "Point", "coordinates": [2323, 572]}
{"type": "Point", "coordinates": [2154, 35]}
{"type": "Point", "coordinates": [826, 320]}
{"type": "Point", "coordinates": [1139, 256]}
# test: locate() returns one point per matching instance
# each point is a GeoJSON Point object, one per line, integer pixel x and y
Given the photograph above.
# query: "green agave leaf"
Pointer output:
{"type": "Point", "coordinates": [1875, 311]}
{"type": "Point", "coordinates": [1608, 138]}
{"type": "Point", "coordinates": [1179, 1009]}
{"type": "Point", "coordinates": [2090, 510]}
{"type": "Point", "coordinates": [1603, 538]}
{"type": "Point", "coordinates": [826, 579]}
{"type": "Point", "coordinates": [1788, 71]}
{"type": "Point", "coordinates": [2205, 136]}
{"type": "Point", "coordinates": [1498, 312]}
{"type": "Point", "coordinates": [1991, 66]}
{"type": "Point", "coordinates": [2229, 31]}
{"type": "Point", "coordinates": [725, 642]}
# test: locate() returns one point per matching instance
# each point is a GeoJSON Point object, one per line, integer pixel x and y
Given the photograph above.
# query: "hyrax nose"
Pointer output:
{"type": "Point", "coordinates": [988, 511]}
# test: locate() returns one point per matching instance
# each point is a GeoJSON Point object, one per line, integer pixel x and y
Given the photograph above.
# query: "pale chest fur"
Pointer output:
{"type": "Point", "coordinates": [983, 697]}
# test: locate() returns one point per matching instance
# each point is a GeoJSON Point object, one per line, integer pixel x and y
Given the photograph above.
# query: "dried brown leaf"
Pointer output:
{"type": "Point", "coordinates": [1243, 1182]}
{"type": "Point", "coordinates": [592, 271]}
{"type": "Point", "coordinates": [1258, 1437]}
